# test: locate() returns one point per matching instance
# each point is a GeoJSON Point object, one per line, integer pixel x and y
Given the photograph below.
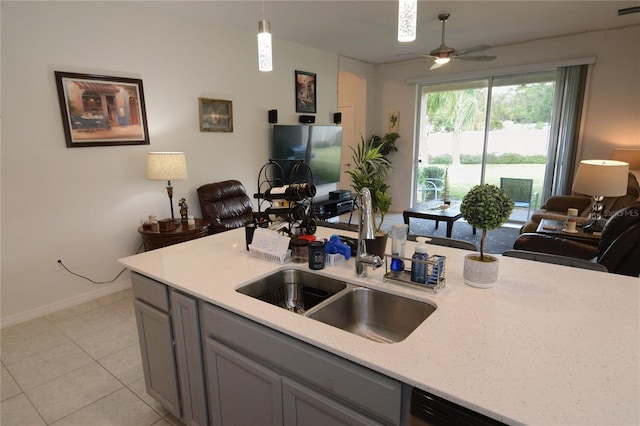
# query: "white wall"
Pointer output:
{"type": "Point", "coordinates": [83, 205]}
{"type": "Point", "coordinates": [611, 118]}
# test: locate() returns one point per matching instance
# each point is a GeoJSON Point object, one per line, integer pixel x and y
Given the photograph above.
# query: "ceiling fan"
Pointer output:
{"type": "Point", "coordinates": [444, 53]}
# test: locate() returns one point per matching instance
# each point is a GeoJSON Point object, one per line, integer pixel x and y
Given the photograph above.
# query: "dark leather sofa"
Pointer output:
{"type": "Point", "coordinates": [555, 208]}
{"type": "Point", "coordinates": [225, 205]}
{"type": "Point", "coordinates": [618, 249]}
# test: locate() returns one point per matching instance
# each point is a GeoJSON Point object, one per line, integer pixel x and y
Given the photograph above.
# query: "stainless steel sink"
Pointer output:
{"type": "Point", "coordinates": [293, 289]}
{"type": "Point", "coordinates": [376, 315]}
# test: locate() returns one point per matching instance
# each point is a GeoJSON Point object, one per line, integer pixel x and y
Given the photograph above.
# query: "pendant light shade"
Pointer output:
{"type": "Point", "coordinates": [407, 17]}
{"type": "Point", "coordinates": [265, 61]}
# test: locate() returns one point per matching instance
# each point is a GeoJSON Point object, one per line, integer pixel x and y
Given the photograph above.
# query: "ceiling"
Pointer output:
{"type": "Point", "coordinates": [367, 30]}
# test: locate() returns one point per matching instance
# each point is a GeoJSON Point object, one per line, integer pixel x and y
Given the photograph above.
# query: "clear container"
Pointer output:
{"type": "Point", "coordinates": [299, 250]}
{"type": "Point", "coordinates": [398, 244]}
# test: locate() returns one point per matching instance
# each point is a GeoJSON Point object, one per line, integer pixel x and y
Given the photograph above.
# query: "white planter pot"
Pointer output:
{"type": "Point", "coordinates": [480, 274]}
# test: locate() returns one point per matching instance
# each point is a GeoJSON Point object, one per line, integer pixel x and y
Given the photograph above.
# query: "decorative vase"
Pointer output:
{"type": "Point", "coordinates": [378, 245]}
{"type": "Point", "coordinates": [478, 273]}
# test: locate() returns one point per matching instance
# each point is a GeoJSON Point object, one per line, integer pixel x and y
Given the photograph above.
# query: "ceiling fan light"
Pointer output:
{"type": "Point", "coordinates": [407, 17]}
{"type": "Point", "coordinates": [442, 61]}
{"type": "Point", "coordinates": [265, 60]}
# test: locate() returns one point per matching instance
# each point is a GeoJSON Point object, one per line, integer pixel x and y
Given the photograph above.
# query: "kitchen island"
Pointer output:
{"type": "Point", "coordinates": [547, 345]}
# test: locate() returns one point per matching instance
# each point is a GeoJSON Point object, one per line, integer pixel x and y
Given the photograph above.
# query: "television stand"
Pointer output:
{"type": "Point", "coordinates": [325, 207]}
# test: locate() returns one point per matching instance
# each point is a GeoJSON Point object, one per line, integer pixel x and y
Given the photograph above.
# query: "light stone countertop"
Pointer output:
{"type": "Point", "coordinates": [547, 345]}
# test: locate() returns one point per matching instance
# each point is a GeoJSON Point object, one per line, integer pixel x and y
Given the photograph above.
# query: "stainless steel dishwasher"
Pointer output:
{"type": "Point", "coordinates": [428, 409]}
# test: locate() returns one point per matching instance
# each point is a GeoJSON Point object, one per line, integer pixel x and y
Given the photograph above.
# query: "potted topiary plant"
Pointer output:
{"type": "Point", "coordinates": [370, 170]}
{"type": "Point", "coordinates": [486, 207]}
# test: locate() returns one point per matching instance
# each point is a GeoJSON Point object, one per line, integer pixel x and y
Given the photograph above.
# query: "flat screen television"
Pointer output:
{"type": "Point", "coordinates": [319, 146]}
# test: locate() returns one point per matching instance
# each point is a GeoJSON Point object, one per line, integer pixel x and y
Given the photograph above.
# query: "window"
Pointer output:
{"type": "Point", "coordinates": [488, 129]}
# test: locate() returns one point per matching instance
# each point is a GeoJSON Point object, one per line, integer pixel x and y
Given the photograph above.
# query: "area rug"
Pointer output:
{"type": "Point", "coordinates": [497, 241]}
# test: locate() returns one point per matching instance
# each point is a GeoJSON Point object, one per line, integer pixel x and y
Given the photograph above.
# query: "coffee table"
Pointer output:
{"type": "Point", "coordinates": [431, 212]}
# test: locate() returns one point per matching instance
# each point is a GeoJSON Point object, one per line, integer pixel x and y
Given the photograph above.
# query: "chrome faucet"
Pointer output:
{"type": "Point", "coordinates": [366, 230]}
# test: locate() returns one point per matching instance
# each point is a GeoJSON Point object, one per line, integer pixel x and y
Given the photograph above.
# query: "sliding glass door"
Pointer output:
{"type": "Point", "coordinates": [492, 130]}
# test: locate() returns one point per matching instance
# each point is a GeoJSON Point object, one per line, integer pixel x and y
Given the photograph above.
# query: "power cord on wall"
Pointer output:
{"type": "Point", "coordinates": [89, 279]}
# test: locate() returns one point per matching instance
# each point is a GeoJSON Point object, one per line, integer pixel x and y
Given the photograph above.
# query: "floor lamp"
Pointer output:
{"type": "Point", "coordinates": [600, 178]}
{"type": "Point", "coordinates": [167, 166]}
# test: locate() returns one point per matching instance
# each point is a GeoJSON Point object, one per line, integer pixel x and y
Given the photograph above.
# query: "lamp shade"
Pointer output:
{"type": "Point", "coordinates": [607, 178]}
{"type": "Point", "coordinates": [628, 155]}
{"type": "Point", "coordinates": [166, 166]}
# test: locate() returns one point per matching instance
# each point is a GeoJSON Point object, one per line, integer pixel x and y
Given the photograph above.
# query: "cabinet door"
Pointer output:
{"type": "Point", "coordinates": [302, 406]}
{"type": "Point", "coordinates": [158, 357]}
{"type": "Point", "coordinates": [186, 333]}
{"type": "Point", "coordinates": [241, 392]}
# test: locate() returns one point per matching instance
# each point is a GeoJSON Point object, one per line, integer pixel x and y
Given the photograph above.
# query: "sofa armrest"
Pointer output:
{"type": "Point", "coordinates": [555, 245]}
{"type": "Point", "coordinates": [561, 203]}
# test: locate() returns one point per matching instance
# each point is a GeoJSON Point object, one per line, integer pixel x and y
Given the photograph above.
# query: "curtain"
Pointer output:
{"type": "Point", "coordinates": [569, 100]}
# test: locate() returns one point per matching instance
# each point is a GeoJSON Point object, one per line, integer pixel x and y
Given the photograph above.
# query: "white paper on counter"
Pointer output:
{"type": "Point", "coordinates": [270, 241]}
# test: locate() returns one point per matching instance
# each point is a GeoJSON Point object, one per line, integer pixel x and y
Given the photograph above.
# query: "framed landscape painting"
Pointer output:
{"type": "Point", "coordinates": [99, 110]}
{"type": "Point", "coordinates": [216, 115]}
{"type": "Point", "coordinates": [305, 92]}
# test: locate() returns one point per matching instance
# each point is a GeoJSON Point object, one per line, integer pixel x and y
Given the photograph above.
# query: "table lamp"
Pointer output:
{"type": "Point", "coordinates": [600, 178]}
{"type": "Point", "coordinates": [167, 166]}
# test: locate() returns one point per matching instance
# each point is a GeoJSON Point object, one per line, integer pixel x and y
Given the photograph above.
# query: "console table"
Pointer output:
{"type": "Point", "coordinates": [156, 239]}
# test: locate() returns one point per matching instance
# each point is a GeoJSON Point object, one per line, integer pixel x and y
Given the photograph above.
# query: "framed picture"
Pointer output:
{"type": "Point", "coordinates": [394, 121]}
{"type": "Point", "coordinates": [305, 92]}
{"type": "Point", "coordinates": [99, 110]}
{"type": "Point", "coordinates": [216, 115]}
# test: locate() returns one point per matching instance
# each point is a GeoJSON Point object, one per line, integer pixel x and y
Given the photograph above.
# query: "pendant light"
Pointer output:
{"type": "Point", "coordinates": [265, 61]}
{"type": "Point", "coordinates": [407, 17]}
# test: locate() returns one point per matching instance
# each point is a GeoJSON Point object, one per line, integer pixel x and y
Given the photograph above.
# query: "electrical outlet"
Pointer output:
{"type": "Point", "coordinates": [58, 264]}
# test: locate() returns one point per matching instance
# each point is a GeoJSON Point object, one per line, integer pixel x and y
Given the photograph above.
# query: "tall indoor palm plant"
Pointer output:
{"type": "Point", "coordinates": [370, 170]}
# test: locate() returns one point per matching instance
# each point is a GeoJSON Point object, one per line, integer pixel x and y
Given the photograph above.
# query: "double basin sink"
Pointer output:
{"type": "Point", "coordinates": [375, 315]}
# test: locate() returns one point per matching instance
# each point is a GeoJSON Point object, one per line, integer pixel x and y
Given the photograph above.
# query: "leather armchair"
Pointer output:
{"type": "Point", "coordinates": [618, 249]}
{"type": "Point", "coordinates": [225, 205]}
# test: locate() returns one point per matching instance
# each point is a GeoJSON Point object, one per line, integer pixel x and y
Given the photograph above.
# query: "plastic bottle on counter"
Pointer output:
{"type": "Point", "coordinates": [398, 243]}
{"type": "Point", "coordinates": [419, 269]}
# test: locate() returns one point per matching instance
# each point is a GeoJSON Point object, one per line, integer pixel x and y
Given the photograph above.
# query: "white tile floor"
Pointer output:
{"type": "Point", "coordinates": [79, 366]}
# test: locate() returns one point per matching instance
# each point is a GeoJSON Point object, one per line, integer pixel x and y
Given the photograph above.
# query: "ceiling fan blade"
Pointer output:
{"type": "Point", "coordinates": [473, 49]}
{"type": "Point", "coordinates": [475, 58]}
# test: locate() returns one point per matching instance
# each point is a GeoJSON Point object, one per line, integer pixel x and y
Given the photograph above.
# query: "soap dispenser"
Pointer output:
{"type": "Point", "coordinates": [419, 269]}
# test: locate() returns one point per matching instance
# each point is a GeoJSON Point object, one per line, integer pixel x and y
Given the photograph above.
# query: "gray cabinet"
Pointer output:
{"type": "Point", "coordinates": [158, 356]}
{"type": "Point", "coordinates": [250, 367]}
{"type": "Point", "coordinates": [242, 392]}
{"type": "Point", "coordinates": [186, 335]}
{"type": "Point", "coordinates": [303, 407]}
{"type": "Point", "coordinates": [169, 334]}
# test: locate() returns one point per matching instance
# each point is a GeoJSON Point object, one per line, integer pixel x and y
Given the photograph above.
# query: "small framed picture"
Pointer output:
{"type": "Point", "coordinates": [394, 121]}
{"type": "Point", "coordinates": [305, 92]}
{"type": "Point", "coordinates": [216, 115]}
{"type": "Point", "coordinates": [99, 110]}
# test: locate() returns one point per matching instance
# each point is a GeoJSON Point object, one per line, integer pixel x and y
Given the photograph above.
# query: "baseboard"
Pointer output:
{"type": "Point", "coordinates": [63, 304]}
